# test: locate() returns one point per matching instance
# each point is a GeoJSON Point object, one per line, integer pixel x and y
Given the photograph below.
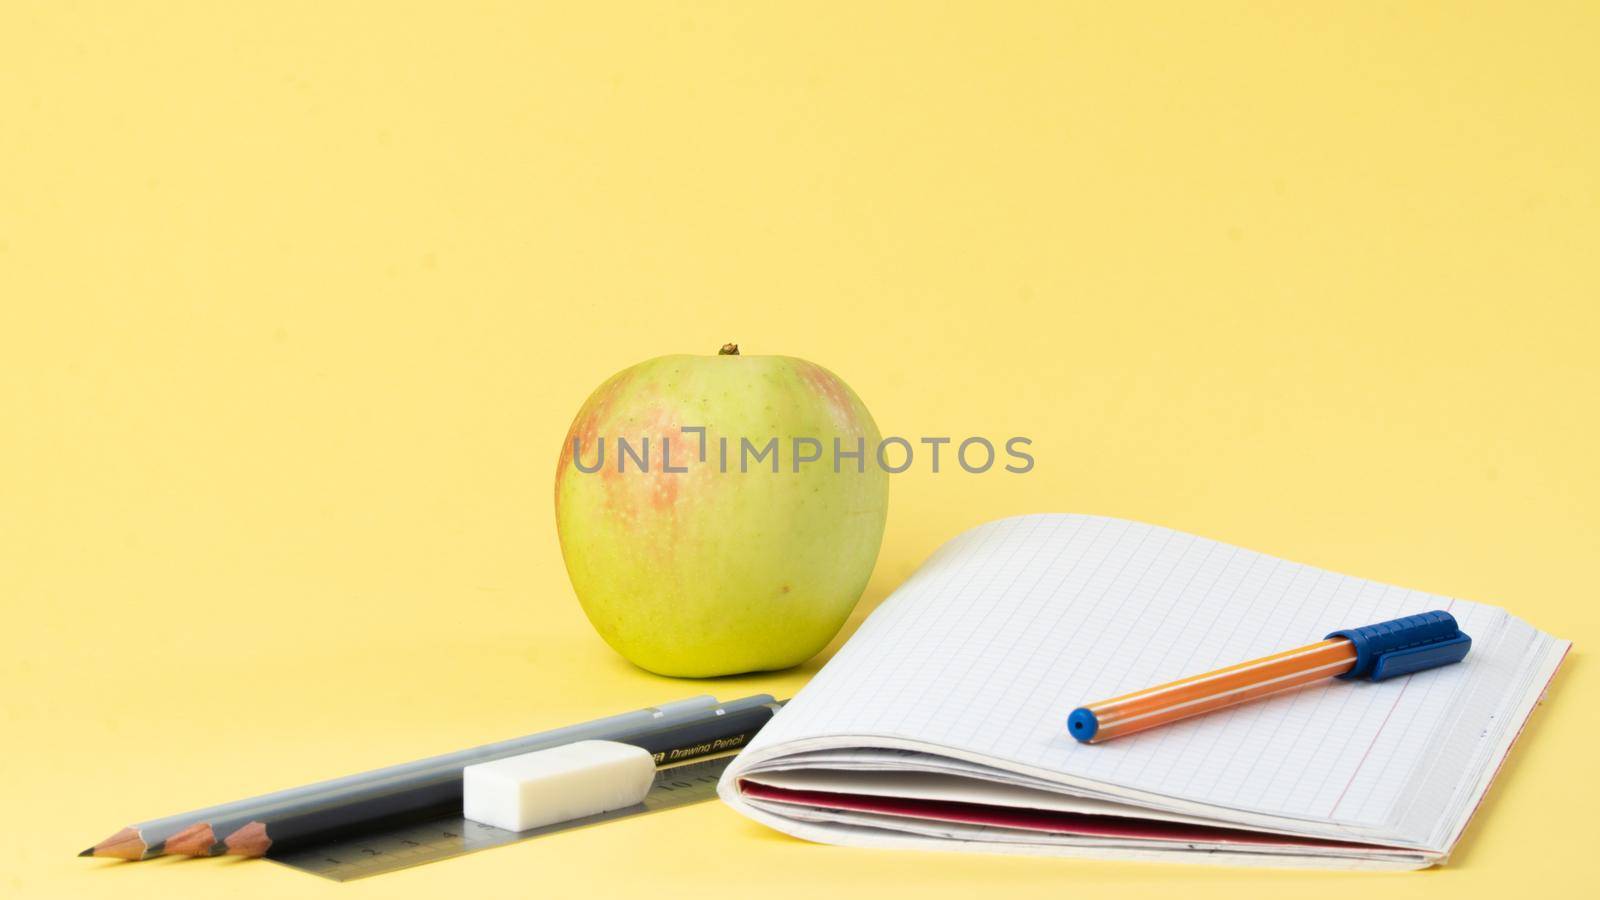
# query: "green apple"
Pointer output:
{"type": "Point", "coordinates": [739, 548]}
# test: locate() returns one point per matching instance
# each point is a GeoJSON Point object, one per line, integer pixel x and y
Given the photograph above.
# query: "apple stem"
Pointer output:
{"type": "Point", "coordinates": [729, 350]}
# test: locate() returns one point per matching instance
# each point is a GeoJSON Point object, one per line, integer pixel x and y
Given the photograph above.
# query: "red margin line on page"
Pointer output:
{"type": "Point", "coordinates": [1379, 732]}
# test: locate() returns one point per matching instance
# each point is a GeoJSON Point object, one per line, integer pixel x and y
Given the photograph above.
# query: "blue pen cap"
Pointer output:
{"type": "Point", "coordinates": [1082, 724]}
{"type": "Point", "coordinates": [1402, 646]}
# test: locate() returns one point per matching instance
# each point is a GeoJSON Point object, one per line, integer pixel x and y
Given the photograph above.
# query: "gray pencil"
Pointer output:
{"type": "Point", "coordinates": [191, 832]}
{"type": "Point", "coordinates": [437, 790]}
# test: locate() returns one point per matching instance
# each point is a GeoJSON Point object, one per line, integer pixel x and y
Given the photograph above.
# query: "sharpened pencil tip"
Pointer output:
{"type": "Point", "coordinates": [196, 840]}
{"type": "Point", "coordinates": [88, 852]}
{"type": "Point", "coordinates": [250, 840]}
{"type": "Point", "coordinates": [125, 844]}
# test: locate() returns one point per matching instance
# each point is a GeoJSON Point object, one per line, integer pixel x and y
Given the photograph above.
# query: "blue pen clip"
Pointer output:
{"type": "Point", "coordinates": [1403, 646]}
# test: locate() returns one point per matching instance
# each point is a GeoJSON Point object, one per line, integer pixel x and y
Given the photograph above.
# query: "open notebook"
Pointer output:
{"type": "Point", "coordinates": [941, 723]}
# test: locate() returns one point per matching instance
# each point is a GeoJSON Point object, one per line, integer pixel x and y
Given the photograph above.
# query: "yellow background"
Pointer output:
{"type": "Point", "coordinates": [298, 299]}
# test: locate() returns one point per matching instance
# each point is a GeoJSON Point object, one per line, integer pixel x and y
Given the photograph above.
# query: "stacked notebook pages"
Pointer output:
{"type": "Point", "coordinates": [941, 723]}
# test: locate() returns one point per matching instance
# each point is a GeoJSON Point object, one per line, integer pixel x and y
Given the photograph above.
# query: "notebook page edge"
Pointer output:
{"type": "Point", "coordinates": [822, 830]}
{"type": "Point", "coordinates": [1012, 526]}
{"type": "Point", "coordinates": [1556, 656]}
{"type": "Point", "coordinates": [751, 762]}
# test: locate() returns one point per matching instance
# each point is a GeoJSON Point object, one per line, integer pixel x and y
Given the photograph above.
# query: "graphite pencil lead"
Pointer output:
{"type": "Point", "coordinates": [88, 852]}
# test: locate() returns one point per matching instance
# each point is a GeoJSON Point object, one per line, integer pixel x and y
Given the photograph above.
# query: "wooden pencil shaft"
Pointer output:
{"type": "Point", "coordinates": [433, 780]}
{"type": "Point", "coordinates": [401, 790]}
{"type": "Point", "coordinates": [397, 792]}
{"type": "Point", "coordinates": [363, 814]}
{"type": "Point", "coordinates": [155, 832]}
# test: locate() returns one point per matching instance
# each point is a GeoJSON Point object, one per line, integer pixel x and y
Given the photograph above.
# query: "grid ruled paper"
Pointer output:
{"type": "Point", "coordinates": [1008, 627]}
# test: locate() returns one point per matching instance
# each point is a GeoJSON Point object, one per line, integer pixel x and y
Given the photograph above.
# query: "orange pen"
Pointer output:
{"type": "Point", "coordinates": [1384, 650]}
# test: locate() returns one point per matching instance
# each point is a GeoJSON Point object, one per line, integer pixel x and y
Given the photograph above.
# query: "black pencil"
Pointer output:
{"type": "Point", "coordinates": [194, 833]}
{"type": "Point", "coordinates": [317, 819]}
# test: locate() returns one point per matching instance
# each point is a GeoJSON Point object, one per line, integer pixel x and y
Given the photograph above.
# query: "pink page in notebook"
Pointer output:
{"type": "Point", "coordinates": [1055, 822]}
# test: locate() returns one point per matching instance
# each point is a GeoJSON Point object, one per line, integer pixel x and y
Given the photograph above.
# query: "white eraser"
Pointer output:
{"type": "Point", "coordinates": [555, 785]}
